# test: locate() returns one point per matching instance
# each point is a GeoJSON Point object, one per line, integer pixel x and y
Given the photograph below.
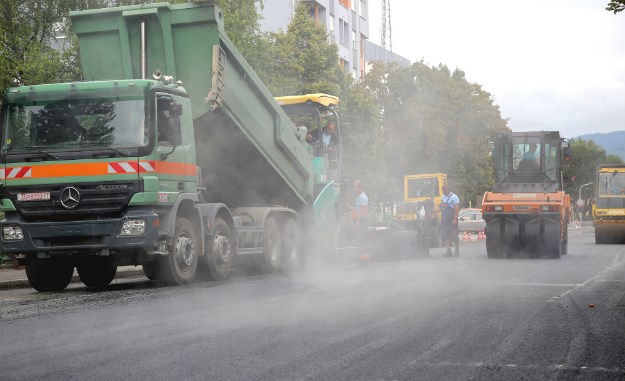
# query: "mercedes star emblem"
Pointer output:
{"type": "Point", "coordinates": [70, 198]}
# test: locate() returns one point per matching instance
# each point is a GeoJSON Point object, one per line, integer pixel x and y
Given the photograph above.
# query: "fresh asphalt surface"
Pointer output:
{"type": "Point", "coordinates": [429, 318]}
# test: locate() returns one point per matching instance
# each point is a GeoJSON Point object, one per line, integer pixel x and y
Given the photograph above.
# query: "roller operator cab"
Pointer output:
{"type": "Point", "coordinates": [527, 212]}
{"type": "Point", "coordinates": [134, 168]}
{"type": "Point", "coordinates": [608, 209]}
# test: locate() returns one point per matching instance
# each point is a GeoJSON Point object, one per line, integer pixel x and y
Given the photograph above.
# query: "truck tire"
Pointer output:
{"type": "Point", "coordinates": [221, 252]}
{"type": "Point", "coordinates": [96, 272]}
{"type": "Point", "coordinates": [272, 247]}
{"type": "Point", "coordinates": [149, 269]}
{"type": "Point", "coordinates": [179, 266]}
{"type": "Point", "coordinates": [291, 245]}
{"type": "Point", "coordinates": [553, 248]}
{"type": "Point", "coordinates": [53, 274]}
{"type": "Point", "coordinates": [564, 244]}
{"type": "Point", "coordinates": [601, 236]}
{"type": "Point", "coordinates": [494, 248]}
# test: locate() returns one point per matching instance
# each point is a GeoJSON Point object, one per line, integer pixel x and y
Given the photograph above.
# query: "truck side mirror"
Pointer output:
{"type": "Point", "coordinates": [567, 154]}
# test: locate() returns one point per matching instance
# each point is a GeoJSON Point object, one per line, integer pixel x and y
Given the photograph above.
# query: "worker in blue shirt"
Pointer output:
{"type": "Point", "coordinates": [450, 207]}
{"type": "Point", "coordinates": [360, 215]}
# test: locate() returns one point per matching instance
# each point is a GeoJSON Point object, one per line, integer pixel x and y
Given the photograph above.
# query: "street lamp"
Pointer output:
{"type": "Point", "coordinates": [580, 189]}
{"type": "Point", "coordinates": [580, 197]}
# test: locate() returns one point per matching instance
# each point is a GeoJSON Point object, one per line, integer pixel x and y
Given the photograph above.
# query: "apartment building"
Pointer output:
{"type": "Point", "coordinates": [347, 22]}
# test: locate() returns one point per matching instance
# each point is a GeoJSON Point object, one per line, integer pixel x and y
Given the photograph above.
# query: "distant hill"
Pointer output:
{"type": "Point", "coordinates": [612, 142]}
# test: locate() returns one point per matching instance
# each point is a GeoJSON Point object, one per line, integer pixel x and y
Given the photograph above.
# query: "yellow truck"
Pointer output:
{"type": "Point", "coordinates": [608, 210]}
{"type": "Point", "coordinates": [422, 198]}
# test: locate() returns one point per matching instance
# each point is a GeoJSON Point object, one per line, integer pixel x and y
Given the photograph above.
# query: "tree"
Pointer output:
{"type": "Point", "coordinates": [434, 120]}
{"type": "Point", "coordinates": [28, 33]}
{"type": "Point", "coordinates": [616, 6]}
{"type": "Point", "coordinates": [363, 142]}
{"type": "Point", "coordinates": [242, 24]}
{"type": "Point", "coordinates": [305, 61]}
{"type": "Point", "coordinates": [586, 155]}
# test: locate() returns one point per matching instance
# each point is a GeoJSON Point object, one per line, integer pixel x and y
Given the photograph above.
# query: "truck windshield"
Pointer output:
{"type": "Point", "coordinates": [526, 154]}
{"type": "Point", "coordinates": [526, 159]}
{"type": "Point", "coordinates": [422, 188]}
{"type": "Point", "coordinates": [611, 184]}
{"type": "Point", "coordinates": [73, 124]}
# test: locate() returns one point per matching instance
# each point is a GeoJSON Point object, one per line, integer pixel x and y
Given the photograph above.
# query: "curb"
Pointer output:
{"type": "Point", "coordinates": [23, 281]}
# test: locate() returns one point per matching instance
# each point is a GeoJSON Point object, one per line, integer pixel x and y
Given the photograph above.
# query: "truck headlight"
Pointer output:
{"type": "Point", "coordinates": [498, 208]}
{"type": "Point", "coordinates": [544, 208]}
{"type": "Point", "coordinates": [12, 233]}
{"type": "Point", "coordinates": [133, 227]}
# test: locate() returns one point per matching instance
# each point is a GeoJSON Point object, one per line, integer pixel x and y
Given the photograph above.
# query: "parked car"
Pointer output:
{"type": "Point", "coordinates": [471, 220]}
{"type": "Point", "coordinates": [464, 211]}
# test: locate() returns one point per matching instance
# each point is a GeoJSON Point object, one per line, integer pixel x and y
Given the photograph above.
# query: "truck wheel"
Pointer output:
{"type": "Point", "coordinates": [600, 236]}
{"type": "Point", "coordinates": [53, 274]}
{"type": "Point", "coordinates": [494, 248]}
{"type": "Point", "coordinates": [179, 266]}
{"type": "Point", "coordinates": [96, 272]}
{"type": "Point", "coordinates": [149, 269]}
{"type": "Point", "coordinates": [272, 247]}
{"type": "Point", "coordinates": [553, 248]}
{"type": "Point", "coordinates": [291, 245]}
{"type": "Point", "coordinates": [564, 244]}
{"type": "Point", "coordinates": [221, 252]}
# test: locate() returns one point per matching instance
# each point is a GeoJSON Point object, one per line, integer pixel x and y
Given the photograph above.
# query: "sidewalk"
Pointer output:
{"type": "Point", "coordinates": [10, 278]}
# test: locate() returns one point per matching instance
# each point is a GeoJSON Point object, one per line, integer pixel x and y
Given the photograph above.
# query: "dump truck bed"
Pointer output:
{"type": "Point", "coordinates": [245, 141]}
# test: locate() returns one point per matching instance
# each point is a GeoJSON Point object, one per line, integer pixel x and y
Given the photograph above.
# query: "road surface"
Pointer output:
{"type": "Point", "coordinates": [431, 318]}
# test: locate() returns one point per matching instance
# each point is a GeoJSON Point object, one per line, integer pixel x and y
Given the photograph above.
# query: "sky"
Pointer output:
{"type": "Point", "coordinates": [549, 64]}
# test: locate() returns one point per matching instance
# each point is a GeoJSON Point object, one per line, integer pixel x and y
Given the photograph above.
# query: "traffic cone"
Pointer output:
{"type": "Point", "coordinates": [466, 236]}
{"type": "Point", "coordinates": [481, 235]}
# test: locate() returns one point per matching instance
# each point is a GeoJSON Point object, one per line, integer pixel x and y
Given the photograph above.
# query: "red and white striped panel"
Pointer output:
{"type": "Point", "coordinates": [16, 173]}
{"type": "Point", "coordinates": [131, 167]}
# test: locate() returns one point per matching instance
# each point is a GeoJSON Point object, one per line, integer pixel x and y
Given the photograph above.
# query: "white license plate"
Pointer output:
{"type": "Point", "coordinates": [40, 196]}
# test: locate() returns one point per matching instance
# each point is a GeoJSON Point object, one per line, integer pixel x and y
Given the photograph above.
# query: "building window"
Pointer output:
{"type": "Point", "coordinates": [331, 24]}
{"type": "Point", "coordinates": [341, 31]}
{"type": "Point", "coordinates": [354, 43]}
{"type": "Point", "coordinates": [344, 33]}
{"type": "Point", "coordinates": [363, 9]}
{"type": "Point", "coordinates": [342, 63]}
{"type": "Point", "coordinates": [345, 3]}
{"type": "Point", "coordinates": [351, 5]}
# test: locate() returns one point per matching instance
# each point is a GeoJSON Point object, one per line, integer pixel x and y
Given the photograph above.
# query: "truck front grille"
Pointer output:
{"type": "Point", "coordinates": [96, 199]}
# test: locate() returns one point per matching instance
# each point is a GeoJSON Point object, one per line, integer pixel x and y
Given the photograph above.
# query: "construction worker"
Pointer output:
{"type": "Point", "coordinates": [450, 207]}
{"type": "Point", "coordinates": [360, 214]}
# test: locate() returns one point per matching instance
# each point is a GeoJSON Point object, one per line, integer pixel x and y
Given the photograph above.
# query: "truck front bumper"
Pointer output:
{"type": "Point", "coordinates": [86, 236]}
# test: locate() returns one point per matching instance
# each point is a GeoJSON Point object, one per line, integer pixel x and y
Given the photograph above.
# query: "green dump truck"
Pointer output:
{"type": "Point", "coordinates": [171, 155]}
